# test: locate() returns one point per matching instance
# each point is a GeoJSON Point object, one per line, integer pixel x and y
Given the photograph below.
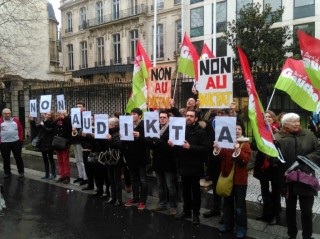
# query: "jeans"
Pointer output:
{"type": "Point", "coordinates": [306, 204]}
{"type": "Point", "coordinates": [48, 157]}
{"type": "Point", "coordinates": [6, 149]}
{"type": "Point", "coordinates": [78, 154]}
{"type": "Point", "coordinates": [191, 194]}
{"type": "Point", "coordinates": [166, 182]}
{"type": "Point", "coordinates": [138, 177]}
{"type": "Point", "coordinates": [235, 209]}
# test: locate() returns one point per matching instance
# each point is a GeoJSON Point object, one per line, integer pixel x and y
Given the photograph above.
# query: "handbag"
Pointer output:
{"type": "Point", "coordinates": [302, 177]}
{"type": "Point", "coordinates": [93, 157]}
{"type": "Point", "coordinates": [225, 184]}
{"type": "Point", "coordinates": [110, 157]}
{"type": "Point", "coordinates": [59, 143]}
{"type": "Point", "coordinates": [36, 141]}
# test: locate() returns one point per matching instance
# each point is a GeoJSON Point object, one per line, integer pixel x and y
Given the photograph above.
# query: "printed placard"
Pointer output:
{"type": "Point", "coordinates": [225, 130]}
{"type": "Point", "coordinates": [151, 124]}
{"type": "Point", "coordinates": [61, 105]}
{"type": "Point", "coordinates": [215, 82]}
{"type": "Point", "coordinates": [45, 103]}
{"type": "Point", "coordinates": [86, 122]}
{"type": "Point", "coordinates": [126, 127]}
{"type": "Point", "coordinates": [101, 125]}
{"type": "Point", "coordinates": [76, 118]}
{"type": "Point", "coordinates": [33, 108]}
{"type": "Point", "coordinates": [177, 130]}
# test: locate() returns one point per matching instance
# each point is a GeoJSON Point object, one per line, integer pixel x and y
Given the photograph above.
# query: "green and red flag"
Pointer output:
{"type": "Point", "coordinates": [261, 133]}
{"type": "Point", "coordinates": [138, 97]}
{"type": "Point", "coordinates": [188, 60]}
{"type": "Point", "coordinates": [206, 53]}
{"type": "Point", "coordinates": [310, 52]}
{"type": "Point", "coordinates": [295, 82]}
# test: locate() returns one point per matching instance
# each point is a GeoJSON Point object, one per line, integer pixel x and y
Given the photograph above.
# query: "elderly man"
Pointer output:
{"type": "Point", "coordinates": [295, 141]}
{"type": "Point", "coordinates": [11, 139]}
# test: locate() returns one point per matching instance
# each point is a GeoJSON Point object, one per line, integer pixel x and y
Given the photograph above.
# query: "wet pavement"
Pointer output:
{"type": "Point", "coordinates": [45, 209]}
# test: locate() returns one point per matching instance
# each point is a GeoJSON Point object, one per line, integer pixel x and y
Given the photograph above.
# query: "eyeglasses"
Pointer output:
{"type": "Point", "coordinates": [163, 117]}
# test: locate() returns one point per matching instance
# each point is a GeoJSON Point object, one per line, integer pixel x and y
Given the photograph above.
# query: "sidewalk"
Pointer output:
{"type": "Point", "coordinates": [256, 229]}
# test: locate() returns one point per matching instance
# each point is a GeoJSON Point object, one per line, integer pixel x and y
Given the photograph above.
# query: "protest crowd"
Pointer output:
{"type": "Point", "coordinates": [182, 146]}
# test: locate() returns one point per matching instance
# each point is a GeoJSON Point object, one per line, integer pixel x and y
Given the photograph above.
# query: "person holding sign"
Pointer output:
{"type": "Point", "coordinates": [164, 166]}
{"type": "Point", "coordinates": [189, 160]}
{"type": "Point", "coordinates": [135, 153]}
{"type": "Point", "coordinates": [63, 128]}
{"type": "Point", "coordinates": [234, 207]}
{"type": "Point", "coordinates": [45, 135]}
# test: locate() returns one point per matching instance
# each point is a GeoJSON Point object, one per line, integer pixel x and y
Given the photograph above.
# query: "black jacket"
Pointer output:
{"type": "Point", "coordinates": [45, 134]}
{"type": "Point", "coordinates": [190, 161]}
{"type": "Point", "coordinates": [135, 152]}
{"type": "Point", "coordinates": [163, 154]}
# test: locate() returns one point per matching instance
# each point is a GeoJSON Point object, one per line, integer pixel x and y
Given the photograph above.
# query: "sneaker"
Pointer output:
{"type": "Point", "coordinates": [141, 206]}
{"type": "Point", "coordinates": [130, 203]}
{"type": "Point", "coordinates": [66, 180]}
{"type": "Point", "coordinates": [52, 176]}
{"type": "Point", "coordinates": [78, 180]}
{"type": "Point", "coordinates": [159, 208]}
{"type": "Point", "coordinates": [83, 182]}
{"type": "Point", "coordinates": [173, 212]}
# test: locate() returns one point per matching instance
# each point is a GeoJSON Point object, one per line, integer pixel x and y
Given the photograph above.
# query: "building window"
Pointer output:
{"type": "Point", "coordinates": [83, 18]}
{"type": "Point", "coordinates": [70, 56]}
{"type": "Point", "coordinates": [221, 13]}
{"type": "Point", "coordinates": [308, 28]}
{"type": "Point", "coordinates": [160, 45]}
{"type": "Point", "coordinates": [178, 32]}
{"type": "Point", "coordinates": [221, 47]}
{"type": "Point", "coordinates": [177, 2]}
{"type": "Point", "coordinates": [133, 44]}
{"type": "Point", "coordinates": [275, 4]}
{"type": "Point", "coordinates": [115, 9]}
{"type": "Point", "coordinates": [241, 4]}
{"type": "Point", "coordinates": [99, 11]}
{"type": "Point", "coordinates": [116, 49]}
{"type": "Point", "coordinates": [84, 55]}
{"type": "Point", "coordinates": [303, 8]}
{"type": "Point", "coordinates": [160, 5]}
{"type": "Point", "coordinates": [196, 18]}
{"type": "Point", "coordinates": [133, 7]}
{"type": "Point", "coordinates": [100, 52]}
{"type": "Point", "coordinates": [195, 1]}
{"type": "Point", "coordinates": [198, 45]}
{"type": "Point", "coordinates": [69, 22]}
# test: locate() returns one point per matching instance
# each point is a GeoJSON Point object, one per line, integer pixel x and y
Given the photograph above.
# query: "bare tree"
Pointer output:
{"type": "Point", "coordinates": [20, 24]}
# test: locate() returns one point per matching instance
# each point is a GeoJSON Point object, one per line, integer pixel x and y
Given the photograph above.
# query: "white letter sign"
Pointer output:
{"type": "Point", "coordinates": [101, 126]}
{"type": "Point", "coordinates": [177, 130]}
{"type": "Point", "coordinates": [225, 131]}
{"type": "Point", "coordinates": [45, 103]}
{"type": "Point", "coordinates": [151, 124]}
{"type": "Point", "coordinates": [126, 127]}
{"type": "Point", "coordinates": [86, 122]}
{"type": "Point", "coordinates": [61, 106]}
{"type": "Point", "coordinates": [33, 108]}
{"type": "Point", "coordinates": [76, 118]}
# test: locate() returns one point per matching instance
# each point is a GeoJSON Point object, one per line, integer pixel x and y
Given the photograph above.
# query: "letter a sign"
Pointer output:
{"type": "Point", "coordinates": [225, 131]}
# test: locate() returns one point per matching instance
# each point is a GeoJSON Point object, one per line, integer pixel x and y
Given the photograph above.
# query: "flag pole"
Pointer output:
{"type": "Point", "coordinates": [214, 20]}
{"type": "Point", "coordinates": [271, 99]}
{"type": "Point", "coordinates": [155, 8]}
{"type": "Point", "coordinates": [175, 87]}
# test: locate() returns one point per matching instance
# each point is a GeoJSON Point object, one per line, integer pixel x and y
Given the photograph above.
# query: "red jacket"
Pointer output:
{"type": "Point", "coordinates": [241, 172]}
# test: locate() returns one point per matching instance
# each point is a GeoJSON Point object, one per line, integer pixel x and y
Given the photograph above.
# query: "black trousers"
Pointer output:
{"type": "Point", "coordinates": [114, 173]}
{"type": "Point", "coordinates": [48, 158]}
{"type": "Point", "coordinates": [271, 199]}
{"type": "Point", "coordinates": [15, 148]}
{"type": "Point", "coordinates": [138, 176]}
{"type": "Point", "coordinates": [101, 178]}
{"type": "Point", "coordinates": [191, 194]}
{"type": "Point", "coordinates": [89, 167]}
{"type": "Point", "coordinates": [306, 204]}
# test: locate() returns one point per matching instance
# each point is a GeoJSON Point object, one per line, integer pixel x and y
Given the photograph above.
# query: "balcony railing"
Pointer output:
{"type": "Point", "coordinates": [83, 66]}
{"type": "Point", "coordinates": [99, 63]}
{"type": "Point", "coordinates": [69, 68]}
{"type": "Point", "coordinates": [69, 29]}
{"type": "Point", "coordinates": [116, 16]}
{"type": "Point", "coordinates": [115, 61]}
{"type": "Point", "coordinates": [83, 26]}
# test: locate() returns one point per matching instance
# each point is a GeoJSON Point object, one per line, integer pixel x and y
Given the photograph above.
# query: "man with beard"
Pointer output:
{"type": "Point", "coordinates": [189, 160]}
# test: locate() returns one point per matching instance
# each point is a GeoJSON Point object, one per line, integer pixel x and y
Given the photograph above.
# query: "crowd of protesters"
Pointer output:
{"type": "Point", "coordinates": [103, 163]}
